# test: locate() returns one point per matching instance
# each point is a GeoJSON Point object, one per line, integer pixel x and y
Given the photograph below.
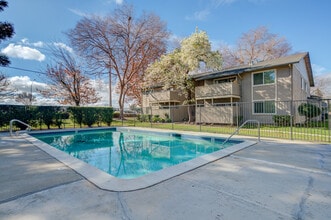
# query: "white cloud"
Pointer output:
{"type": "Point", "coordinates": [25, 41]}
{"type": "Point", "coordinates": [102, 88]}
{"type": "Point", "coordinates": [212, 5]}
{"type": "Point", "coordinates": [64, 46]}
{"type": "Point", "coordinates": [23, 52]}
{"type": "Point", "coordinates": [38, 44]}
{"type": "Point", "coordinates": [217, 3]}
{"type": "Point", "coordinates": [119, 2]}
{"type": "Point", "coordinates": [25, 84]}
{"type": "Point", "coordinates": [78, 12]}
{"type": "Point", "coordinates": [199, 15]}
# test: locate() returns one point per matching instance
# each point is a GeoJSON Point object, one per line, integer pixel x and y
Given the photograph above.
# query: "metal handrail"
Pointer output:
{"type": "Point", "coordinates": [11, 125]}
{"type": "Point", "coordinates": [237, 130]}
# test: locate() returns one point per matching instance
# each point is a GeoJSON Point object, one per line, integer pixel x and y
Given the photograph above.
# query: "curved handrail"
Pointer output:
{"type": "Point", "coordinates": [237, 130]}
{"type": "Point", "coordinates": [11, 125]}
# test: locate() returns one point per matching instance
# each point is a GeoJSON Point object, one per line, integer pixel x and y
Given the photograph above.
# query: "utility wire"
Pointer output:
{"type": "Point", "coordinates": [26, 70]}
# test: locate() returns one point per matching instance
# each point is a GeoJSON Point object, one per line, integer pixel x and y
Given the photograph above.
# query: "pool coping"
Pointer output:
{"type": "Point", "coordinates": [105, 181]}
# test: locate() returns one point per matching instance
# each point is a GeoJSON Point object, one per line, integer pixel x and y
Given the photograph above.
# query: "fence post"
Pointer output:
{"type": "Point", "coordinates": [329, 119]}
{"type": "Point", "coordinates": [200, 118]}
{"type": "Point", "coordinates": [172, 117]}
{"type": "Point", "coordinates": [237, 113]}
{"type": "Point", "coordinates": [291, 119]}
{"type": "Point", "coordinates": [150, 118]}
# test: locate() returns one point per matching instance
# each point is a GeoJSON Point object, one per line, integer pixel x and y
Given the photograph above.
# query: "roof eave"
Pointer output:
{"type": "Point", "coordinates": [309, 70]}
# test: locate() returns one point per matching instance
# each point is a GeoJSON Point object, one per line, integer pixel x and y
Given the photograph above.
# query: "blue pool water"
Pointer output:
{"type": "Point", "coordinates": [130, 153]}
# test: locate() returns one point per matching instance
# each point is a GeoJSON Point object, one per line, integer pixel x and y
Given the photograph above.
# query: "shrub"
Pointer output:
{"type": "Point", "coordinates": [90, 116]}
{"type": "Point", "coordinates": [76, 115]}
{"type": "Point", "coordinates": [282, 120]}
{"type": "Point", "coordinates": [144, 118]}
{"type": "Point", "coordinates": [167, 118]}
{"type": "Point", "coordinates": [116, 114]}
{"type": "Point", "coordinates": [47, 114]}
{"type": "Point", "coordinates": [309, 111]}
{"type": "Point", "coordinates": [106, 115]}
{"type": "Point", "coordinates": [58, 118]}
{"type": "Point", "coordinates": [156, 118]}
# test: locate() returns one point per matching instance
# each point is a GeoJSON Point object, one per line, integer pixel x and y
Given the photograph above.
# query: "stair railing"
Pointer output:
{"type": "Point", "coordinates": [28, 127]}
{"type": "Point", "coordinates": [243, 124]}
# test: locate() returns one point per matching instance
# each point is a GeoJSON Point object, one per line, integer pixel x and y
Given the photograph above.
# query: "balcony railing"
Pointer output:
{"type": "Point", "coordinates": [164, 96]}
{"type": "Point", "coordinates": [218, 90]}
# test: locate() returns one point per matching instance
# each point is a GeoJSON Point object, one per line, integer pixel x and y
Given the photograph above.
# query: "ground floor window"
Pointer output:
{"type": "Point", "coordinates": [264, 107]}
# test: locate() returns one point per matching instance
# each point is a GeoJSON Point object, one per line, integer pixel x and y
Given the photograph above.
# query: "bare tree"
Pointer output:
{"type": "Point", "coordinates": [322, 86]}
{"type": "Point", "coordinates": [3, 82]}
{"type": "Point", "coordinates": [254, 46]}
{"type": "Point", "coordinates": [67, 83]}
{"type": "Point", "coordinates": [121, 43]}
{"type": "Point", "coordinates": [5, 89]}
{"type": "Point", "coordinates": [25, 98]}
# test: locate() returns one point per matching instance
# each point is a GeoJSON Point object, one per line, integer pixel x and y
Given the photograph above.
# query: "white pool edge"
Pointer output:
{"type": "Point", "coordinates": [106, 181]}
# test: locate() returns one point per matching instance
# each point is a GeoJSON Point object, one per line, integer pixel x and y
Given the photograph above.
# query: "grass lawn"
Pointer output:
{"type": "Point", "coordinates": [319, 133]}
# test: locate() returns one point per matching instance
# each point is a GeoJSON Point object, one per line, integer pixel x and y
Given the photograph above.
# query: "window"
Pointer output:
{"type": "Point", "coordinates": [264, 107]}
{"type": "Point", "coordinates": [267, 77]}
{"type": "Point", "coordinates": [304, 85]}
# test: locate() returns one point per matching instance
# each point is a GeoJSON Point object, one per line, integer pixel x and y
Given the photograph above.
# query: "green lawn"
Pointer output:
{"type": "Point", "coordinates": [316, 134]}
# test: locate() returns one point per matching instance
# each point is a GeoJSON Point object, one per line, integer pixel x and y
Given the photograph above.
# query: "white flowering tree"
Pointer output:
{"type": "Point", "coordinates": [175, 69]}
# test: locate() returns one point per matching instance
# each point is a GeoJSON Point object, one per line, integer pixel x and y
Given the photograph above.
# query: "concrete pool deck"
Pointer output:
{"type": "Point", "coordinates": [107, 182]}
{"type": "Point", "coordinates": [270, 180]}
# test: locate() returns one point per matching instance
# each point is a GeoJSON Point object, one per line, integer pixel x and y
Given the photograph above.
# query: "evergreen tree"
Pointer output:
{"type": "Point", "coordinates": [6, 31]}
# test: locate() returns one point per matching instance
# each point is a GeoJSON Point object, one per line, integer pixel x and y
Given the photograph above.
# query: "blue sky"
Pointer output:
{"type": "Point", "coordinates": [306, 24]}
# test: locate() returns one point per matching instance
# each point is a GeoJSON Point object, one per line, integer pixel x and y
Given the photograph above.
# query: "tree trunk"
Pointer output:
{"type": "Point", "coordinates": [190, 107]}
{"type": "Point", "coordinates": [121, 100]}
{"type": "Point", "coordinates": [110, 97]}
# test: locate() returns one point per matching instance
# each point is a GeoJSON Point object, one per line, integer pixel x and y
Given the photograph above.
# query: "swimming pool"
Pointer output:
{"type": "Point", "coordinates": [129, 154]}
{"type": "Point", "coordinates": [134, 158]}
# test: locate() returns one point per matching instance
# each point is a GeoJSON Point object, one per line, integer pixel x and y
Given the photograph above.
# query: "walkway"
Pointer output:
{"type": "Point", "coordinates": [270, 180]}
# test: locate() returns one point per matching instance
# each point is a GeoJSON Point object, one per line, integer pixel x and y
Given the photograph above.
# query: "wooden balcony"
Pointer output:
{"type": "Point", "coordinates": [222, 90]}
{"type": "Point", "coordinates": [165, 96]}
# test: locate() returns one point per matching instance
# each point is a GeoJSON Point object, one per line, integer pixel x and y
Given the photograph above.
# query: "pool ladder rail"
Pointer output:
{"type": "Point", "coordinates": [28, 127]}
{"type": "Point", "coordinates": [242, 125]}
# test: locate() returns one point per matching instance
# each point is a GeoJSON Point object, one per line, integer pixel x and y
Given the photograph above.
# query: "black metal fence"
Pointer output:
{"type": "Point", "coordinates": [292, 120]}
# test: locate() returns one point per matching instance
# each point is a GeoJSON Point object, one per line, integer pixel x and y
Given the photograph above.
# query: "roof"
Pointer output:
{"type": "Point", "coordinates": [291, 59]}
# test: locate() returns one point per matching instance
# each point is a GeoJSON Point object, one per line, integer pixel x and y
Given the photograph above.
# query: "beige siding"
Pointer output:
{"type": "Point", "coordinates": [217, 90]}
{"type": "Point", "coordinates": [246, 87]}
{"type": "Point", "coordinates": [284, 84]}
{"type": "Point", "coordinates": [264, 92]}
{"type": "Point", "coordinates": [299, 73]}
{"type": "Point", "coordinates": [176, 113]}
{"type": "Point", "coordinates": [216, 114]}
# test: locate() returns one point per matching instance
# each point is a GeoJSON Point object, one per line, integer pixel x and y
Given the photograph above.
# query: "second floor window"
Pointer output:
{"type": "Point", "coordinates": [262, 78]}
